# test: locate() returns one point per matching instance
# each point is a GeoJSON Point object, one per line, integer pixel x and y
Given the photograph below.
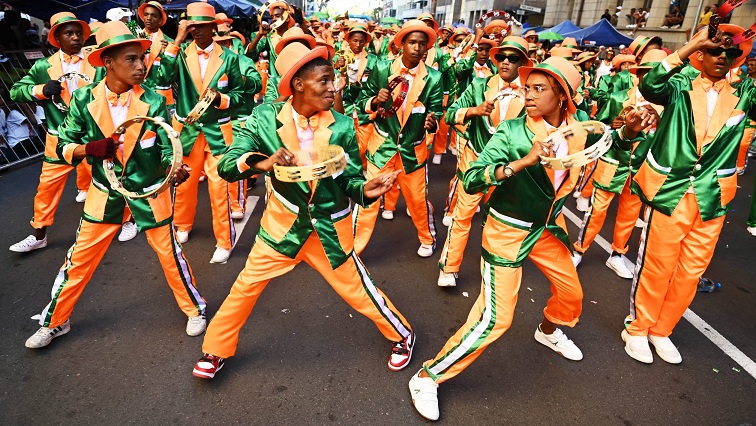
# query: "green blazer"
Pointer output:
{"type": "Point", "coordinates": [607, 84]}
{"type": "Point", "coordinates": [406, 136]}
{"type": "Point", "coordinates": [252, 86]}
{"type": "Point", "coordinates": [29, 89]}
{"type": "Point", "coordinates": [383, 51]}
{"type": "Point", "coordinates": [352, 90]}
{"type": "Point", "coordinates": [222, 74]}
{"type": "Point", "coordinates": [151, 79]}
{"type": "Point", "coordinates": [147, 154]}
{"type": "Point", "coordinates": [465, 68]}
{"type": "Point", "coordinates": [296, 210]}
{"type": "Point", "coordinates": [521, 207]}
{"type": "Point", "coordinates": [684, 153]}
{"type": "Point", "coordinates": [264, 45]}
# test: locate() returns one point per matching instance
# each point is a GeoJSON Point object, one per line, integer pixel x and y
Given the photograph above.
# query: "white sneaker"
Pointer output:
{"type": "Point", "coordinates": [447, 279]}
{"type": "Point", "coordinates": [436, 159]}
{"type": "Point", "coordinates": [740, 171]}
{"type": "Point", "coordinates": [424, 392]}
{"type": "Point", "coordinates": [640, 223]}
{"type": "Point", "coordinates": [44, 335]}
{"type": "Point", "coordinates": [28, 244]}
{"type": "Point", "coordinates": [637, 347]}
{"type": "Point", "coordinates": [665, 349]}
{"type": "Point", "coordinates": [576, 194]}
{"type": "Point", "coordinates": [618, 264]}
{"type": "Point", "coordinates": [453, 151]}
{"type": "Point", "coordinates": [387, 214]}
{"type": "Point", "coordinates": [447, 220]}
{"type": "Point", "coordinates": [128, 231]}
{"type": "Point", "coordinates": [196, 325]}
{"type": "Point", "coordinates": [751, 230]}
{"type": "Point", "coordinates": [182, 236]}
{"type": "Point", "coordinates": [81, 196]}
{"type": "Point", "coordinates": [576, 258]}
{"type": "Point", "coordinates": [237, 215]}
{"type": "Point", "coordinates": [425, 250]}
{"type": "Point", "coordinates": [583, 203]}
{"type": "Point", "coordinates": [220, 255]}
{"type": "Point", "coordinates": [559, 343]}
{"type": "Point", "coordinates": [408, 212]}
{"type": "Point", "coordinates": [664, 26]}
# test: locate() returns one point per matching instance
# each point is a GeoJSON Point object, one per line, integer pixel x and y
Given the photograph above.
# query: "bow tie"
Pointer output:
{"type": "Point", "coordinates": [411, 72]}
{"type": "Point", "coordinates": [718, 86]}
{"type": "Point", "coordinates": [512, 85]}
{"type": "Point", "coordinates": [204, 53]}
{"type": "Point", "coordinates": [481, 67]}
{"type": "Point", "coordinates": [71, 59]}
{"type": "Point", "coordinates": [303, 122]}
{"type": "Point", "coordinates": [115, 99]}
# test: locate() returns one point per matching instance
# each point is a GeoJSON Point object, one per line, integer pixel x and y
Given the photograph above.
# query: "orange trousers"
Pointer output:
{"type": "Point", "coordinates": [442, 137]}
{"type": "Point", "coordinates": [492, 313]}
{"type": "Point", "coordinates": [745, 143]}
{"type": "Point", "coordinates": [627, 214]}
{"type": "Point", "coordinates": [463, 159]}
{"type": "Point", "coordinates": [674, 253]}
{"type": "Point", "coordinates": [237, 195]}
{"type": "Point", "coordinates": [462, 214]}
{"type": "Point", "coordinates": [185, 208]}
{"type": "Point", "coordinates": [391, 198]}
{"type": "Point", "coordinates": [351, 281]}
{"type": "Point", "coordinates": [92, 241]}
{"type": "Point", "coordinates": [52, 182]}
{"type": "Point", "coordinates": [414, 187]}
{"type": "Point", "coordinates": [363, 136]}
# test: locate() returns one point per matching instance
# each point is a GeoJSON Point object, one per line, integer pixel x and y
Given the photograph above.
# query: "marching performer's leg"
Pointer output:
{"type": "Point", "coordinates": [185, 206]}
{"type": "Point", "coordinates": [363, 218]}
{"type": "Point", "coordinates": [414, 187]}
{"type": "Point", "coordinates": [223, 226]}
{"type": "Point", "coordinates": [627, 214]}
{"type": "Point", "coordinates": [83, 176]}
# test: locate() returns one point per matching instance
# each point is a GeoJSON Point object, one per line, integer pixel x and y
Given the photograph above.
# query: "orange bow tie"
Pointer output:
{"type": "Point", "coordinates": [512, 85]}
{"type": "Point", "coordinates": [303, 122]}
{"type": "Point", "coordinates": [71, 59]}
{"type": "Point", "coordinates": [481, 67]}
{"type": "Point", "coordinates": [411, 72]}
{"type": "Point", "coordinates": [204, 53]}
{"type": "Point", "coordinates": [115, 99]}
{"type": "Point", "coordinates": [718, 86]}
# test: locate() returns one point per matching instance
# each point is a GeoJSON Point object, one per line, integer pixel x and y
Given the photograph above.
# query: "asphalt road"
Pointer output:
{"type": "Point", "coordinates": [306, 358]}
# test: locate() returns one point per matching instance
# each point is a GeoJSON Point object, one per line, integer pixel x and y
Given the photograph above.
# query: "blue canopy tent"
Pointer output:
{"type": "Point", "coordinates": [527, 27]}
{"type": "Point", "coordinates": [600, 33]}
{"type": "Point", "coordinates": [564, 27]}
{"type": "Point", "coordinates": [83, 9]}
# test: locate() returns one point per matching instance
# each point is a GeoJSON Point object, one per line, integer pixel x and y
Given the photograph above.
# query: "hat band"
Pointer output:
{"type": "Point", "coordinates": [640, 45]}
{"type": "Point", "coordinates": [549, 67]}
{"type": "Point", "coordinates": [65, 19]}
{"type": "Point", "coordinates": [117, 39]}
{"type": "Point", "coordinates": [518, 46]}
{"type": "Point", "coordinates": [201, 18]}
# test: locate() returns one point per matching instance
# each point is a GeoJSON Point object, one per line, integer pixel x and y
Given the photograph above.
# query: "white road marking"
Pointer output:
{"type": "Point", "coordinates": [239, 226]}
{"type": "Point", "coordinates": [722, 343]}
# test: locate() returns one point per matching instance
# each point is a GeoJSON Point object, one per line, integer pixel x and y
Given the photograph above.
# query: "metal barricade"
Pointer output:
{"type": "Point", "coordinates": [14, 65]}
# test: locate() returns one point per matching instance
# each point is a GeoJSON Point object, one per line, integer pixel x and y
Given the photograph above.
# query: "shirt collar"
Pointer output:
{"type": "Point", "coordinates": [130, 92]}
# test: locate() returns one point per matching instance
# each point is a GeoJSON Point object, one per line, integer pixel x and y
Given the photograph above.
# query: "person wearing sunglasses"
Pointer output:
{"type": "Point", "coordinates": [480, 109]}
{"type": "Point", "coordinates": [686, 174]}
{"type": "Point", "coordinates": [523, 220]}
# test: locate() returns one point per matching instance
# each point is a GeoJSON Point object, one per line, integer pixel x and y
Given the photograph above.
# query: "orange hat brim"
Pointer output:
{"type": "Point", "coordinates": [140, 13]}
{"type": "Point", "coordinates": [402, 33]}
{"type": "Point", "coordinates": [86, 31]}
{"type": "Point", "coordinates": [284, 86]}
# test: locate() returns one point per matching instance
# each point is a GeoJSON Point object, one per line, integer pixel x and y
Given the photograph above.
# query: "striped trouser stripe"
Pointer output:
{"type": "Point", "coordinates": [431, 222]}
{"type": "Point", "coordinates": [378, 300]}
{"type": "Point", "coordinates": [478, 333]}
{"type": "Point", "coordinates": [186, 276]}
{"type": "Point", "coordinates": [586, 220]}
{"type": "Point", "coordinates": [231, 227]}
{"type": "Point", "coordinates": [450, 196]}
{"type": "Point", "coordinates": [60, 282]}
{"type": "Point", "coordinates": [641, 260]}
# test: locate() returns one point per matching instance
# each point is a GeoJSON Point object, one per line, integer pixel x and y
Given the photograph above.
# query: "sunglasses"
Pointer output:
{"type": "Point", "coordinates": [730, 53]}
{"type": "Point", "coordinates": [513, 59]}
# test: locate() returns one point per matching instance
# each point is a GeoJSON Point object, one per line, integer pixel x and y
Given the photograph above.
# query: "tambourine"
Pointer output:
{"type": "Point", "coordinates": [721, 13]}
{"type": "Point", "coordinates": [273, 25]}
{"type": "Point", "coordinates": [317, 165]}
{"type": "Point", "coordinates": [583, 129]}
{"type": "Point", "coordinates": [67, 76]}
{"type": "Point", "coordinates": [397, 103]}
{"type": "Point", "coordinates": [496, 33]}
{"type": "Point", "coordinates": [176, 163]}
{"type": "Point", "coordinates": [205, 102]}
{"type": "Point", "coordinates": [501, 95]}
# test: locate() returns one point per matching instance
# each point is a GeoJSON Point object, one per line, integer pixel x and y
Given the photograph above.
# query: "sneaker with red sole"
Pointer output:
{"type": "Point", "coordinates": [401, 353]}
{"type": "Point", "coordinates": [207, 366]}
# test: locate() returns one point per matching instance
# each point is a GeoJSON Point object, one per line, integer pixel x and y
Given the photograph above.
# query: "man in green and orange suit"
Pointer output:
{"type": "Point", "coordinates": [154, 17]}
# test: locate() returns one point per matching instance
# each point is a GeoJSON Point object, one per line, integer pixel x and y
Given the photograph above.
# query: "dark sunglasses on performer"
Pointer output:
{"type": "Point", "coordinates": [730, 53]}
{"type": "Point", "coordinates": [513, 59]}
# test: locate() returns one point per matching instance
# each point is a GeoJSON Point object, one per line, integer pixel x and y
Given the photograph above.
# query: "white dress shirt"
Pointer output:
{"type": "Point", "coordinates": [306, 140]}
{"type": "Point", "coordinates": [73, 83]}
{"type": "Point", "coordinates": [504, 103]}
{"type": "Point", "coordinates": [560, 150]}
{"type": "Point", "coordinates": [118, 114]}
{"type": "Point", "coordinates": [203, 61]}
{"type": "Point", "coordinates": [411, 79]}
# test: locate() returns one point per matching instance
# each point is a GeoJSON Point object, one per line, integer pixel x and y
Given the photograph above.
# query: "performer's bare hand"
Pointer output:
{"type": "Point", "coordinates": [282, 157]}
{"type": "Point", "coordinates": [617, 123]}
{"type": "Point", "coordinates": [163, 45]}
{"type": "Point", "coordinates": [181, 175]}
{"type": "Point", "coordinates": [538, 149]}
{"type": "Point", "coordinates": [382, 96]}
{"type": "Point", "coordinates": [637, 120]}
{"type": "Point", "coordinates": [484, 109]}
{"type": "Point", "coordinates": [184, 28]}
{"type": "Point", "coordinates": [380, 185]}
{"type": "Point", "coordinates": [340, 63]}
{"type": "Point", "coordinates": [264, 28]}
{"type": "Point", "coordinates": [430, 123]}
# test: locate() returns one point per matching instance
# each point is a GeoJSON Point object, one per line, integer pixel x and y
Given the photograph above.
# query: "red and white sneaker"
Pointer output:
{"type": "Point", "coordinates": [401, 353]}
{"type": "Point", "coordinates": [207, 366]}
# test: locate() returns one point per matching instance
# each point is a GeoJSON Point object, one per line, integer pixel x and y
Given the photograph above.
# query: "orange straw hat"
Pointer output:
{"type": "Point", "coordinates": [651, 58]}
{"type": "Point", "coordinates": [530, 33]}
{"type": "Point", "coordinates": [563, 52]}
{"type": "Point", "coordinates": [223, 17]}
{"type": "Point", "coordinates": [515, 43]}
{"type": "Point", "coordinates": [571, 43]}
{"type": "Point", "coordinates": [563, 71]}
{"type": "Point", "coordinates": [156, 5]}
{"type": "Point", "coordinates": [63, 18]}
{"type": "Point", "coordinates": [238, 35]}
{"type": "Point", "coordinates": [461, 31]}
{"type": "Point", "coordinates": [293, 57]}
{"type": "Point", "coordinates": [447, 28]}
{"type": "Point", "coordinates": [488, 41]}
{"type": "Point", "coordinates": [585, 56]}
{"type": "Point", "coordinates": [93, 27]}
{"type": "Point", "coordinates": [640, 43]}
{"type": "Point", "coordinates": [621, 59]}
{"type": "Point", "coordinates": [223, 32]}
{"type": "Point", "coordinates": [201, 13]}
{"type": "Point", "coordinates": [114, 33]}
{"type": "Point", "coordinates": [331, 50]}
{"type": "Point", "coordinates": [428, 17]}
{"type": "Point", "coordinates": [294, 34]}
{"type": "Point", "coordinates": [412, 26]}
{"type": "Point", "coordinates": [359, 28]}
{"type": "Point", "coordinates": [735, 30]}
